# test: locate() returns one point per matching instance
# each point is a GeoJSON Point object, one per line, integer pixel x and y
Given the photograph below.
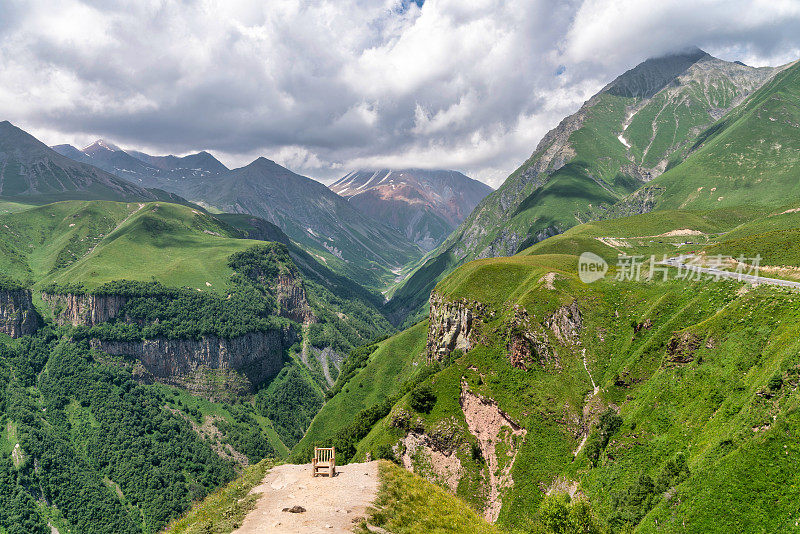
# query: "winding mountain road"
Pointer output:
{"type": "Point", "coordinates": [719, 273]}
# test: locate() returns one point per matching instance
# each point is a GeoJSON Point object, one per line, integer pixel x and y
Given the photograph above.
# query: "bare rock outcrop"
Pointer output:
{"type": "Point", "coordinates": [566, 323]}
{"type": "Point", "coordinates": [292, 302]}
{"type": "Point", "coordinates": [84, 310]}
{"type": "Point", "coordinates": [499, 439]}
{"type": "Point", "coordinates": [195, 364]}
{"type": "Point", "coordinates": [681, 347]}
{"type": "Point", "coordinates": [18, 317]}
{"type": "Point", "coordinates": [452, 325]}
{"type": "Point", "coordinates": [528, 343]}
{"type": "Point", "coordinates": [432, 453]}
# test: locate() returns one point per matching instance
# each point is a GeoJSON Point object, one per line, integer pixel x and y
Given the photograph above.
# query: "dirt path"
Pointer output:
{"type": "Point", "coordinates": [589, 398]}
{"type": "Point", "coordinates": [123, 221]}
{"type": "Point", "coordinates": [331, 503]}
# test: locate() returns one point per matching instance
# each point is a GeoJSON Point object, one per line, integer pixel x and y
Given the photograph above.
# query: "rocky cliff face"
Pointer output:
{"type": "Point", "coordinates": [213, 367]}
{"type": "Point", "coordinates": [292, 302]}
{"type": "Point", "coordinates": [566, 323]}
{"type": "Point", "coordinates": [86, 310]}
{"type": "Point", "coordinates": [452, 325]}
{"type": "Point", "coordinates": [528, 343]}
{"type": "Point", "coordinates": [196, 364]}
{"type": "Point", "coordinates": [91, 310]}
{"type": "Point", "coordinates": [18, 317]}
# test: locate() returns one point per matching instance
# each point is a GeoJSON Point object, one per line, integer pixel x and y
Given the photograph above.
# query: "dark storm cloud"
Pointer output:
{"type": "Point", "coordinates": [326, 86]}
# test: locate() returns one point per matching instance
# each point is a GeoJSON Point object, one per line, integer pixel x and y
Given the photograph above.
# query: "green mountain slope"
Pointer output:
{"type": "Point", "coordinates": [93, 242]}
{"type": "Point", "coordinates": [749, 157]}
{"type": "Point", "coordinates": [665, 405]}
{"type": "Point", "coordinates": [32, 172]}
{"type": "Point", "coordinates": [621, 138]}
{"type": "Point", "coordinates": [322, 222]}
{"type": "Point", "coordinates": [380, 376]}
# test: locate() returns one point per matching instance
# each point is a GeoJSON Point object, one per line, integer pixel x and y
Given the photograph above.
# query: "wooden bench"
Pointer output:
{"type": "Point", "coordinates": [324, 461]}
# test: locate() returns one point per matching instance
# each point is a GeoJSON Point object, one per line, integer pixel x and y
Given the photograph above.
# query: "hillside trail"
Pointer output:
{"type": "Point", "coordinates": [589, 398]}
{"type": "Point", "coordinates": [123, 221]}
{"type": "Point", "coordinates": [331, 504]}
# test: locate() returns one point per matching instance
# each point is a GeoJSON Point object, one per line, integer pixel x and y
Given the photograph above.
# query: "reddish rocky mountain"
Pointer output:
{"type": "Point", "coordinates": [424, 205]}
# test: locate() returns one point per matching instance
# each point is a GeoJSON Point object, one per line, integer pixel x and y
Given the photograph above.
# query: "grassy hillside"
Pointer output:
{"type": "Point", "coordinates": [408, 504]}
{"type": "Point", "coordinates": [173, 244]}
{"type": "Point", "coordinates": [750, 156]}
{"type": "Point", "coordinates": [394, 361]}
{"type": "Point", "coordinates": [642, 123]}
{"type": "Point", "coordinates": [93, 242]}
{"type": "Point", "coordinates": [694, 419]}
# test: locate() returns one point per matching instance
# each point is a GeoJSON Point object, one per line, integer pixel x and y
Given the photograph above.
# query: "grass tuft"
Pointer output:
{"type": "Point", "coordinates": [409, 504]}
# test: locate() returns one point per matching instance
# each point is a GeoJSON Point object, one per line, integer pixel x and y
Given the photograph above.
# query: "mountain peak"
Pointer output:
{"type": "Point", "coordinates": [7, 128]}
{"type": "Point", "coordinates": [692, 52]}
{"type": "Point", "coordinates": [13, 134]}
{"type": "Point", "coordinates": [425, 205]}
{"type": "Point", "coordinates": [653, 74]}
{"type": "Point", "coordinates": [102, 144]}
{"type": "Point", "coordinates": [265, 164]}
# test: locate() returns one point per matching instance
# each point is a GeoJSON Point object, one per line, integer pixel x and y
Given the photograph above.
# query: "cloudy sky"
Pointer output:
{"type": "Point", "coordinates": [327, 86]}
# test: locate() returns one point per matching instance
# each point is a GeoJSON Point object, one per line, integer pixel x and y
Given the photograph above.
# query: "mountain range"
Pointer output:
{"type": "Point", "coordinates": [383, 227]}
{"type": "Point", "coordinates": [649, 400]}
{"type": "Point", "coordinates": [172, 173]}
{"type": "Point", "coordinates": [641, 124]}
{"type": "Point", "coordinates": [424, 205]}
{"type": "Point", "coordinates": [32, 172]}
{"type": "Point", "coordinates": [368, 251]}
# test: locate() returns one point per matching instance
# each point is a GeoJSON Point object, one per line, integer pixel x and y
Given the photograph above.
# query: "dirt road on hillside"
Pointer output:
{"type": "Point", "coordinates": [331, 503]}
{"type": "Point", "coordinates": [719, 273]}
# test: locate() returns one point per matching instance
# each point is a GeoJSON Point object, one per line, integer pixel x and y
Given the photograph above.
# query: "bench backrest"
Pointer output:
{"type": "Point", "coordinates": [324, 454]}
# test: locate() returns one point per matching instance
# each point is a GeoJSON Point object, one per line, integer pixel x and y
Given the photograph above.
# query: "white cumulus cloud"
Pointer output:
{"type": "Point", "coordinates": [327, 86]}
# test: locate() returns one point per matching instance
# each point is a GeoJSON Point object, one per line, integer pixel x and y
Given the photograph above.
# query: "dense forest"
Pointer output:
{"type": "Point", "coordinates": [290, 402]}
{"type": "Point", "coordinates": [84, 445]}
{"type": "Point", "coordinates": [93, 443]}
{"type": "Point", "coordinates": [152, 310]}
{"type": "Point", "coordinates": [9, 284]}
{"type": "Point", "coordinates": [248, 304]}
